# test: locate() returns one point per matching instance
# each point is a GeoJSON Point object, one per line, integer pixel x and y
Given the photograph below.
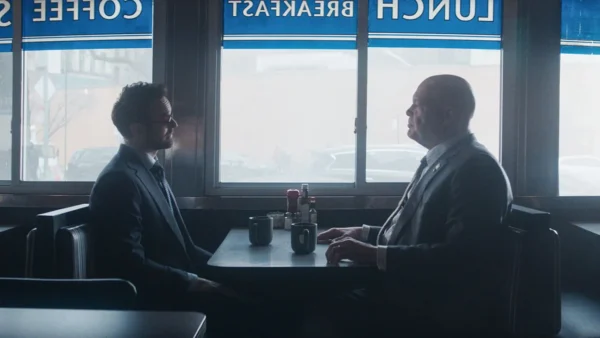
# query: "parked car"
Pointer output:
{"type": "Point", "coordinates": [87, 163]}
{"type": "Point", "coordinates": [385, 163]}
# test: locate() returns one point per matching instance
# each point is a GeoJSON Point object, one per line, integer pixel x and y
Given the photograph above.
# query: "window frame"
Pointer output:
{"type": "Point", "coordinates": [360, 187]}
{"type": "Point", "coordinates": [16, 184]}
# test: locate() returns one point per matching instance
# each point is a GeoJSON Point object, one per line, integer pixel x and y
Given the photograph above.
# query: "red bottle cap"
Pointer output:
{"type": "Point", "coordinates": [293, 193]}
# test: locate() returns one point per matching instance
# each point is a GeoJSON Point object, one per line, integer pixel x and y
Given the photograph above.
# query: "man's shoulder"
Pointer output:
{"type": "Point", "coordinates": [479, 164]}
{"type": "Point", "coordinates": [116, 172]}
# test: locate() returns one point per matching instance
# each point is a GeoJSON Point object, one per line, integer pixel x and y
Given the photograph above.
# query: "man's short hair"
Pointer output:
{"type": "Point", "coordinates": [134, 104]}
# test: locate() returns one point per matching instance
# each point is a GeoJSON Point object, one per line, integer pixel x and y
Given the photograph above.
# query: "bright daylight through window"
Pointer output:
{"type": "Point", "coordinates": [77, 57]}
{"type": "Point", "coordinates": [289, 84]}
{"type": "Point", "coordinates": [579, 152]}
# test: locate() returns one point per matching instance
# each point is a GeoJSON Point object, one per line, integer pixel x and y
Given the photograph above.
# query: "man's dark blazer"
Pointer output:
{"type": "Point", "coordinates": [139, 238]}
{"type": "Point", "coordinates": [447, 236]}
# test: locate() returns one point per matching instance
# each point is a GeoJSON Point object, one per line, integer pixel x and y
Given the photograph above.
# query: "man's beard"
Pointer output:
{"type": "Point", "coordinates": [163, 144]}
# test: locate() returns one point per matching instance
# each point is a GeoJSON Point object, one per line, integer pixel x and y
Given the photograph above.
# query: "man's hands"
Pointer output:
{"type": "Point", "coordinates": [335, 234]}
{"type": "Point", "coordinates": [205, 285]}
{"type": "Point", "coordinates": [352, 249]}
{"type": "Point", "coordinates": [345, 243]}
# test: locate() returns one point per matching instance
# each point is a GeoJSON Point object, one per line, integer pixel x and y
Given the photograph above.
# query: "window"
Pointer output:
{"type": "Point", "coordinates": [70, 51]}
{"type": "Point", "coordinates": [579, 138]}
{"type": "Point", "coordinates": [402, 53]}
{"type": "Point", "coordinates": [289, 84]}
{"type": "Point", "coordinates": [287, 98]}
{"type": "Point", "coordinates": [6, 92]}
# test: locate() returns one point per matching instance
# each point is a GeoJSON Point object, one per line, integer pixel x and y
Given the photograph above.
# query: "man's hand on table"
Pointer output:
{"type": "Point", "coordinates": [352, 249]}
{"type": "Point", "coordinates": [336, 234]}
{"type": "Point", "coordinates": [204, 285]}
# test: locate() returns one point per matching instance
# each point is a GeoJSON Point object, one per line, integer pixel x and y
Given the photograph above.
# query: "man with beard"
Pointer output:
{"type": "Point", "coordinates": [141, 236]}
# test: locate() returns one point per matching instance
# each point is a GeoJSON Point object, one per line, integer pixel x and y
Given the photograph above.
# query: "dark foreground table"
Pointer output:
{"type": "Point", "coordinates": [51, 323]}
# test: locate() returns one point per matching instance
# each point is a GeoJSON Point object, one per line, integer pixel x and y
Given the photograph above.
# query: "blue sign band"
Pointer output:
{"type": "Point", "coordinates": [435, 24]}
{"type": "Point", "coordinates": [81, 24]}
{"type": "Point", "coordinates": [310, 24]}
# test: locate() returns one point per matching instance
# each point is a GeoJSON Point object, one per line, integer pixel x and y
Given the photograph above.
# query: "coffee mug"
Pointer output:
{"type": "Point", "coordinates": [304, 238]}
{"type": "Point", "coordinates": [260, 230]}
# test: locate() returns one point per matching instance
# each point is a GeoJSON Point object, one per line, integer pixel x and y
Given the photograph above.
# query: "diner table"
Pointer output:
{"type": "Point", "coordinates": [236, 252]}
{"type": "Point", "coordinates": [55, 323]}
{"type": "Point", "coordinates": [276, 265]}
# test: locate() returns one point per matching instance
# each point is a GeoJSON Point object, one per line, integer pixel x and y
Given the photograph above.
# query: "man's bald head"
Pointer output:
{"type": "Point", "coordinates": [442, 108]}
{"type": "Point", "coordinates": [450, 92]}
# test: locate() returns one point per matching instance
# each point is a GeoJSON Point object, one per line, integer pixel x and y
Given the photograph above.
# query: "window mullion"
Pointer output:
{"type": "Point", "coordinates": [362, 43]}
{"type": "Point", "coordinates": [17, 78]}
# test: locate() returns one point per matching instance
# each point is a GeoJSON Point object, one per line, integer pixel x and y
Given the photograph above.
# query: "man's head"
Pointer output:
{"type": "Point", "coordinates": [442, 108]}
{"type": "Point", "coordinates": [143, 116]}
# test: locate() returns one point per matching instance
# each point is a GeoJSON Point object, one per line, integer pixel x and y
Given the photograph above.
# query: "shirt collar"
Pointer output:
{"type": "Point", "coordinates": [435, 153]}
{"type": "Point", "coordinates": [147, 160]}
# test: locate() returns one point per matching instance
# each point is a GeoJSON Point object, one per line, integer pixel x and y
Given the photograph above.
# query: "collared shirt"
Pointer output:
{"type": "Point", "coordinates": [432, 157]}
{"type": "Point", "coordinates": [147, 160]}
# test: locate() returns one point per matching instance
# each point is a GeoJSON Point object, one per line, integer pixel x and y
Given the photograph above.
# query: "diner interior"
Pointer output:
{"type": "Point", "coordinates": [266, 102]}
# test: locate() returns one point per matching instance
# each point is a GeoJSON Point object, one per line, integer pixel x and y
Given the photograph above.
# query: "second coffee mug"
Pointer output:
{"type": "Point", "coordinates": [304, 238]}
{"type": "Point", "coordinates": [260, 230]}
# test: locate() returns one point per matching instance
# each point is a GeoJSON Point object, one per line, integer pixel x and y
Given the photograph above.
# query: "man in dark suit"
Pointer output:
{"type": "Point", "coordinates": [141, 234]}
{"type": "Point", "coordinates": [436, 247]}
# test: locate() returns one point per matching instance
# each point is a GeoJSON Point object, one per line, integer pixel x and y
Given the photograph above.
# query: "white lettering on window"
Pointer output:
{"type": "Point", "coordinates": [334, 8]}
{"type": "Point", "coordinates": [137, 13]}
{"type": "Point", "coordinates": [490, 16]}
{"type": "Point", "coordinates": [58, 9]}
{"type": "Point", "coordinates": [471, 11]}
{"type": "Point", "coordinates": [418, 13]}
{"type": "Point", "coordinates": [348, 9]}
{"type": "Point", "coordinates": [5, 8]}
{"type": "Point", "coordinates": [246, 11]}
{"type": "Point", "coordinates": [234, 7]}
{"type": "Point", "coordinates": [319, 8]}
{"type": "Point", "coordinates": [381, 5]}
{"type": "Point", "coordinates": [290, 8]}
{"type": "Point", "coordinates": [435, 10]}
{"type": "Point", "coordinates": [102, 9]}
{"type": "Point", "coordinates": [304, 9]}
{"type": "Point", "coordinates": [74, 9]}
{"type": "Point", "coordinates": [276, 7]}
{"type": "Point", "coordinates": [90, 8]}
{"type": "Point", "coordinates": [41, 10]}
{"type": "Point", "coordinates": [262, 9]}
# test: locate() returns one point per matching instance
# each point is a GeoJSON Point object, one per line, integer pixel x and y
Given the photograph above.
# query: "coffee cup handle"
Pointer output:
{"type": "Point", "coordinates": [254, 233]}
{"type": "Point", "coordinates": [305, 234]}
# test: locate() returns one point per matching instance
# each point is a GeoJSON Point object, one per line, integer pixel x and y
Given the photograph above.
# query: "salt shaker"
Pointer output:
{"type": "Point", "coordinates": [289, 219]}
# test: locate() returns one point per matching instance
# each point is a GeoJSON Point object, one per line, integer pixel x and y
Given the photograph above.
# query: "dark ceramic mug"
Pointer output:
{"type": "Point", "coordinates": [260, 230]}
{"type": "Point", "coordinates": [304, 238]}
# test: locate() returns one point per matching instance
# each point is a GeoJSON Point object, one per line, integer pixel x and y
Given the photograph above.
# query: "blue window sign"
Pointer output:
{"type": "Point", "coordinates": [6, 30]}
{"type": "Point", "coordinates": [472, 24]}
{"type": "Point", "coordinates": [580, 27]}
{"type": "Point", "coordinates": [290, 24]}
{"type": "Point", "coordinates": [87, 24]}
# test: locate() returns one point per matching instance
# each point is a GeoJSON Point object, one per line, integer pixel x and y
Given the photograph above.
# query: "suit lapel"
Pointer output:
{"type": "Point", "coordinates": [417, 192]}
{"type": "Point", "coordinates": [415, 198]}
{"type": "Point", "coordinates": [156, 194]}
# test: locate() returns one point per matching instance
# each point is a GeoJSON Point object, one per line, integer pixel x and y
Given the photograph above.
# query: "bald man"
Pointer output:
{"type": "Point", "coordinates": [436, 247]}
